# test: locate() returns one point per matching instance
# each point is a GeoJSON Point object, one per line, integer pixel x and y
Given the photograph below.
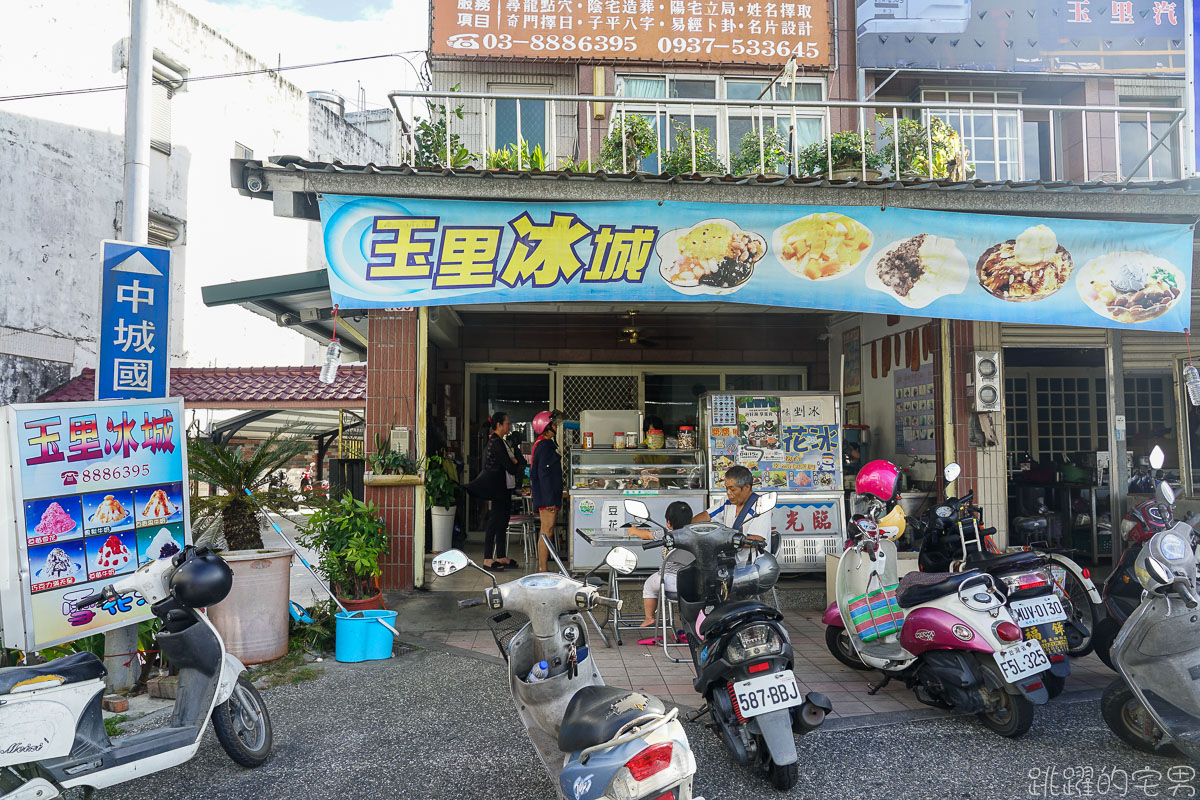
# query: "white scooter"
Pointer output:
{"type": "Point", "coordinates": [1154, 705]}
{"type": "Point", "coordinates": [52, 734]}
{"type": "Point", "coordinates": [597, 742]}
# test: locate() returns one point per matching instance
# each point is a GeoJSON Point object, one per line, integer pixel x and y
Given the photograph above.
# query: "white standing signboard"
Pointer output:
{"type": "Point", "coordinates": [97, 488]}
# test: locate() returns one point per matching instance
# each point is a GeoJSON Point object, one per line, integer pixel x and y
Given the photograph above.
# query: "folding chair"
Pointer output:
{"type": "Point", "coordinates": [666, 615]}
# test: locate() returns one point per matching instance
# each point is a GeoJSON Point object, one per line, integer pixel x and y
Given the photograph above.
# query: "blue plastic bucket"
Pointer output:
{"type": "Point", "coordinates": [361, 638]}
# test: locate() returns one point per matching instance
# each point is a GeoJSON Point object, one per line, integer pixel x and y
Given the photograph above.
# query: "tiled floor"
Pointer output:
{"type": "Point", "coordinates": [646, 668]}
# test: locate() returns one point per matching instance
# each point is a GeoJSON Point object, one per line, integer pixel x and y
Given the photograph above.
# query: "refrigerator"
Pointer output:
{"type": "Point", "coordinates": [792, 444]}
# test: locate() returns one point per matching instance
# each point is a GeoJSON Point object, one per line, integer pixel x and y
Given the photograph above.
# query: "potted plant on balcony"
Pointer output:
{"type": "Point", "coordinates": [640, 142]}
{"type": "Point", "coordinates": [679, 160]}
{"type": "Point", "coordinates": [917, 141]}
{"type": "Point", "coordinates": [440, 494]}
{"type": "Point", "coordinates": [772, 146]}
{"type": "Point", "coordinates": [847, 156]}
{"type": "Point", "coordinates": [350, 538]}
{"type": "Point", "coordinates": [253, 619]}
{"type": "Point", "coordinates": [391, 467]}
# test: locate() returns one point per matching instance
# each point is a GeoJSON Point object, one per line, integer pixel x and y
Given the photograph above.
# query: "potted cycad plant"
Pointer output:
{"type": "Point", "coordinates": [440, 495]}
{"type": "Point", "coordinates": [253, 619]}
{"type": "Point", "coordinates": [351, 538]}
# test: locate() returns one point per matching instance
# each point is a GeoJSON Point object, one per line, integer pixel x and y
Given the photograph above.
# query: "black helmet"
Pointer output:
{"type": "Point", "coordinates": [203, 579]}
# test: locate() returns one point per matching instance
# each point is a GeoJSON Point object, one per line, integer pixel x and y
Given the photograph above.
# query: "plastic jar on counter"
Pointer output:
{"type": "Point", "coordinates": [655, 439]}
{"type": "Point", "coordinates": [618, 440]}
{"type": "Point", "coordinates": [687, 437]}
{"type": "Point", "coordinates": [631, 440]}
{"type": "Point", "coordinates": [589, 441]}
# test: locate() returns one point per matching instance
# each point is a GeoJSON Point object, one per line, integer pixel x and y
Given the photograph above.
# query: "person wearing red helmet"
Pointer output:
{"type": "Point", "coordinates": [545, 480]}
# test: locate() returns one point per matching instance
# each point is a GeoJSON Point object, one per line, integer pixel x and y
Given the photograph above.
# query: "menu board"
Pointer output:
{"type": "Point", "coordinates": [788, 442]}
{"type": "Point", "coordinates": [99, 491]}
{"type": "Point", "coordinates": [916, 420]}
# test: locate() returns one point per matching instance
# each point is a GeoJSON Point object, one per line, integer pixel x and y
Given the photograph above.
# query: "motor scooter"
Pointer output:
{"type": "Point", "coordinates": [1122, 591]}
{"type": "Point", "coordinates": [52, 735]}
{"type": "Point", "coordinates": [948, 636]}
{"type": "Point", "coordinates": [1154, 704]}
{"type": "Point", "coordinates": [740, 650]}
{"type": "Point", "coordinates": [955, 540]}
{"type": "Point", "coordinates": [597, 742]}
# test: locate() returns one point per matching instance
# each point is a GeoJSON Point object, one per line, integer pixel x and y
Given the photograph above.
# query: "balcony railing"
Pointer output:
{"type": "Point", "coordinates": [1080, 143]}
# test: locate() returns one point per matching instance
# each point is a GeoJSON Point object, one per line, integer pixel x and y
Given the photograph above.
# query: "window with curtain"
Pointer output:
{"type": "Point", "coordinates": [504, 117]}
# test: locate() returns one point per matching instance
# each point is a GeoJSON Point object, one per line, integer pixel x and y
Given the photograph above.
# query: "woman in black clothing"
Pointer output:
{"type": "Point", "coordinates": [499, 461]}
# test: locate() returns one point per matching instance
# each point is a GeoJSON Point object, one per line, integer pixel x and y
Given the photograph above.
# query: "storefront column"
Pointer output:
{"type": "Point", "coordinates": [1118, 444]}
{"type": "Point", "coordinates": [392, 358]}
{"type": "Point", "coordinates": [983, 468]}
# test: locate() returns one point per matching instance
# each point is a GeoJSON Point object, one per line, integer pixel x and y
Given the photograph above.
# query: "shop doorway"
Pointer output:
{"type": "Point", "coordinates": [1057, 447]}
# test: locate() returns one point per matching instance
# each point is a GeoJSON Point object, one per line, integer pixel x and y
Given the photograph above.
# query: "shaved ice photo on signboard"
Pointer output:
{"type": "Point", "coordinates": [53, 519]}
{"type": "Point", "coordinates": [105, 512]}
{"type": "Point", "coordinates": [158, 505]}
{"type": "Point", "coordinates": [52, 566]}
{"type": "Point", "coordinates": [161, 542]}
{"type": "Point", "coordinates": [114, 554]}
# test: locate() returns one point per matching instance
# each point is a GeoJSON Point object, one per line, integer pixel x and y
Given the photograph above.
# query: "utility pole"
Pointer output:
{"type": "Point", "coordinates": [120, 645]}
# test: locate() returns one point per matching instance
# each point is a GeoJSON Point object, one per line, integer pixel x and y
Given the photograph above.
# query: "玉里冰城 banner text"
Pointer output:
{"type": "Point", "coordinates": [387, 252]}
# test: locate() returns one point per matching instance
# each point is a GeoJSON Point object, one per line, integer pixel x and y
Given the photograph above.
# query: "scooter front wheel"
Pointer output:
{"type": "Point", "coordinates": [838, 642]}
{"type": "Point", "coordinates": [1129, 720]}
{"type": "Point", "coordinates": [243, 725]}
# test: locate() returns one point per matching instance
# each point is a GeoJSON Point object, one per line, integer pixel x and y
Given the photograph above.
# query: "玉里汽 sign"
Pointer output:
{"type": "Point", "coordinates": [98, 489]}
{"type": "Point", "coordinates": [721, 31]}
{"type": "Point", "coordinates": [395, 252]}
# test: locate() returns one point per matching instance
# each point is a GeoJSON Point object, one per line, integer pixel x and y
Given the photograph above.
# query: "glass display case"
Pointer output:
{"type": "Point", "coordinates": [599, 481]}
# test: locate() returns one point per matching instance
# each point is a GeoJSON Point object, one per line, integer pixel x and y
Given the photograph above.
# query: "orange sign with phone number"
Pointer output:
{"type": "Point", "coordinates": [724, 31]}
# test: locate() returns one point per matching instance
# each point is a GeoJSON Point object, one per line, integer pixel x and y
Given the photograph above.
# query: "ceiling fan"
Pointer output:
{"type": "Point", "coordinates": [632, 334]}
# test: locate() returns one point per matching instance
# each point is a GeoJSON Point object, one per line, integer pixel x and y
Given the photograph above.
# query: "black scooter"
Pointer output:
{"type": "Point", "coordinates": [740, 651]}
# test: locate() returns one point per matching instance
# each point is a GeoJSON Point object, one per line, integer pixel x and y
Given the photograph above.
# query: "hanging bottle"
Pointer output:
{"type": "Point", "coordinates": [333, 356]}
{"type": "Point", "coordinates": [1191, 377]}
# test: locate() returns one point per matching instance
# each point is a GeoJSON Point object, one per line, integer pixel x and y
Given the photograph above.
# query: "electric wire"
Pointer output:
{"type": "Point", "coordinates": [189, 79]}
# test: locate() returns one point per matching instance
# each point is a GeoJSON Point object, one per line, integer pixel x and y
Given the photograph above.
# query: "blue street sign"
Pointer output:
{"type": "Point", "coordinates": [134, 316]}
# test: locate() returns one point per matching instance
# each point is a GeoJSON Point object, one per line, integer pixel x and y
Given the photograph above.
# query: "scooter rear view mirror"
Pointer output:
{"type": "Point", "coordinates": [638, 509]}
{"type": "Point", "coordinates": [1165, 493]}
{"type": "Point", "coordinates": [622, 560]}
{"type": "Point", "coordinates": [1159, 572]}
{"type": "Point", "coordinates": [1157, 457]}
{"type": "Point", "coordinates": [765, 503]}
{"type": "Point", "coordinates": [449, 562]}
{"type": "Point", "coordinates": [951, 472]}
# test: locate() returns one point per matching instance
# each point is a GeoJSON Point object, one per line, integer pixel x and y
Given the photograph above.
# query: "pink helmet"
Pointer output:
{"type": "Point", "coordinates": [880, 479]}
{"type": "Point", "coordinates": [543, 420]}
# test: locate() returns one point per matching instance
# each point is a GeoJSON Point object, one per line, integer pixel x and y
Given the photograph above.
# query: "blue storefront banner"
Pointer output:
{"type": "Point", "coordinates": [134, 315]}
{"type": "Point", "coordinates": [386, 253]}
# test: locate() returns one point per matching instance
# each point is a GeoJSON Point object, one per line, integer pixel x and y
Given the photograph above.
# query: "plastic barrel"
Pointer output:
{"type": "Point", "coordinates": [361, 638]}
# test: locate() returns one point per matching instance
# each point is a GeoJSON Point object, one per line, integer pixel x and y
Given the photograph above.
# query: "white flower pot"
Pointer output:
{"type": "Point", "coordinates": [443, 528]}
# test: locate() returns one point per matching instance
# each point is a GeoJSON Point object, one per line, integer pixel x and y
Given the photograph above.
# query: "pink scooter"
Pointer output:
{"type": "Point", "coordinates": [948, 636]}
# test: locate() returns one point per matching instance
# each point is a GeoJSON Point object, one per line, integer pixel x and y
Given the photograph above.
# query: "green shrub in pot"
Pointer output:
{"type": "Point", "coordinates": [441, 490]}
{"type": "Point", "coordinates": [351, 539]}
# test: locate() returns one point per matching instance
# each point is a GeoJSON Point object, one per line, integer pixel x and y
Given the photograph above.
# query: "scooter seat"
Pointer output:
{"type": "Point", "coordinates": [596, 713]}
{"type": "Point", "coordinates": [728, 614]}
{"type": "Point", "coordinates": [1006, 562]}
{"type": "Point", "coordinates": [75, 668]}
{"type": "Point", "coordinates": [922, 587]}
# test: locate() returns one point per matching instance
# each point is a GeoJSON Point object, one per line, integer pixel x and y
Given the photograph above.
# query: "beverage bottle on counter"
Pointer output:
{"type": "Point", "coordinates": [540, 672]}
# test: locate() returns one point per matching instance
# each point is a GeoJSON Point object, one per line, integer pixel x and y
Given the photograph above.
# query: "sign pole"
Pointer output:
{"type": "Point", "coordinates": [120, 646]}
{"type": "Point", "coordinates": [1190, 136]}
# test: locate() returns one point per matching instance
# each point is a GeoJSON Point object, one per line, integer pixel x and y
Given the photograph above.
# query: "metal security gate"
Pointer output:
{"type": "Point", "coordinates": [595, 392]}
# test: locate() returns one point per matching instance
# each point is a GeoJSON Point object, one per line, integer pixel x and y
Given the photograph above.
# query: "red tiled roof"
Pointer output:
{"type": "Point", "coordinates": [243, 387]}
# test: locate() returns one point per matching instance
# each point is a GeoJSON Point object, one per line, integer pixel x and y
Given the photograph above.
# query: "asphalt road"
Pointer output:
{"type": "Point", "coordinates": [434, 724]}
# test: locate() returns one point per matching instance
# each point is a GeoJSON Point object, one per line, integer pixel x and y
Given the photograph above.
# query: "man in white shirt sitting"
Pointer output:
{"type": "Point", "coordinates": [736, 510]}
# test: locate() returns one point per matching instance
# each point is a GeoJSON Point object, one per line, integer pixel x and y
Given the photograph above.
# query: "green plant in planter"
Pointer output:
{"type": "Point", "coordinates": [386, 461]}
{"type": "Point", "coordinates": [572, 165]}
{"type": "Point", "coordinates": [914, 148]}
{"type": "Point", "coordinates": [351, 538]}
{"type": "Point", "coordinates": [231, 471]}
{"type": "Point", "coordinates": [679, 160]}
{"type": "Point", "coordinates": [430, 136]}
{"type": "Point", "coordinates": [440, 489]}
{"type": "Point", "coordinates": [506, 158]}
{"type": "Point", "coordinates": [847, 154]}
{"type": "Point", "coordinates": [640, 142]}
{"type": "Point", "coordinates": [774, 152]}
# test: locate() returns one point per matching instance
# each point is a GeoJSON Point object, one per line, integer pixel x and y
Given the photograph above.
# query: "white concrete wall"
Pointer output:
{"type": "Point", "coordinates": [61, 180]}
